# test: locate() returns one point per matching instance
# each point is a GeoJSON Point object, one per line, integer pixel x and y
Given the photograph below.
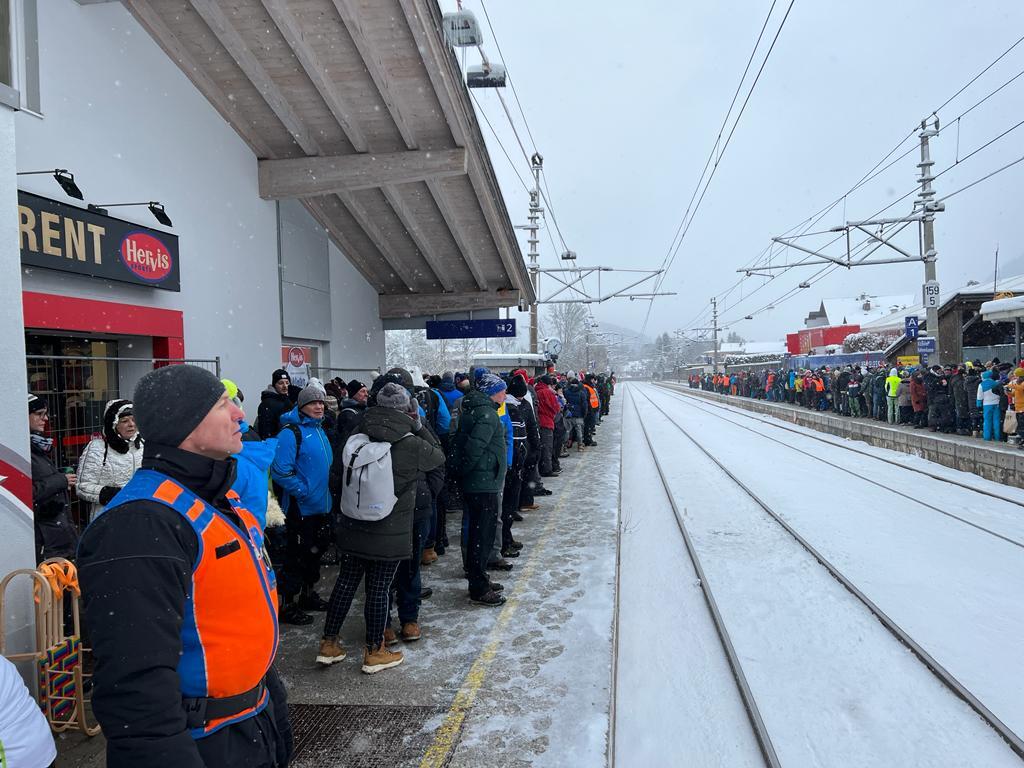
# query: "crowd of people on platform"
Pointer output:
{"type": "Point", "coordinates": [204, 532]}
{"type": "Point", "coordinates": [971, 398]}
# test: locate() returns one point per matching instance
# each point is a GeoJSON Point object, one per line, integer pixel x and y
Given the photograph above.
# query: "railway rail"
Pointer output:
{"type": "Point", "coordinates": [1014, 741]}
{"type": "Point", "coordinates": [695, 399]}
{"type": "Point", "coordinates": [761, 734]}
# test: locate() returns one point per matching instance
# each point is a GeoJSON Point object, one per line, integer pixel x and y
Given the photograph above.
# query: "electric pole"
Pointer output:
{"type": "Point", "coordinates": [536, 164]}
{"type": "Point", "coordinates": [714, 334]}
{"type": "Point", "coordinates": [930, 291]}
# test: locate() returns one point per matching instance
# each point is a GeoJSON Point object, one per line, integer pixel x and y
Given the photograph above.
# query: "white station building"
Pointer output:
{"type": "Point", "coordinates": [299, 178]}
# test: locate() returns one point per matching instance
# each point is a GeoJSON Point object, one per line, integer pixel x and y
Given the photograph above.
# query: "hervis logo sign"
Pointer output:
{"type": "Point", "coordinates": [53, 235]}
{"type": "Point", "coordinates": [146, 256]}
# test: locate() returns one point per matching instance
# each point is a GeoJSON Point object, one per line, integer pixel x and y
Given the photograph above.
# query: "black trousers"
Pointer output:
{"type": "Point", "coordinates": [308, 539]}
{"type": "Point", "coordinates": [481, 510]}
{"type": "Point", "coordinates": [514, 480]}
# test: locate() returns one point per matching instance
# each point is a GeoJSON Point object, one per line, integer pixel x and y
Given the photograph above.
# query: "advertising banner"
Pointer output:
{"type": "Point", "coordinates": [53, 235]}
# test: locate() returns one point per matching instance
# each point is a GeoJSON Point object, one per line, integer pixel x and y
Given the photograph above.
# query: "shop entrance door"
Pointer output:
{"type": "Point", "coordinates": [77, 376]}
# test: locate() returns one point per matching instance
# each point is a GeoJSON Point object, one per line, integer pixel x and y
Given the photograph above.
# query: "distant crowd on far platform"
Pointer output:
{"type": "Point", "coordinates": [971, 398]}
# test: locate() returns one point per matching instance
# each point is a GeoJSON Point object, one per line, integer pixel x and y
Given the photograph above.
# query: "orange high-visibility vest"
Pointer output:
{"type": "Point", "coordinates": [229, 630]}
{"type": "Point", "coordinates": [594, 400]}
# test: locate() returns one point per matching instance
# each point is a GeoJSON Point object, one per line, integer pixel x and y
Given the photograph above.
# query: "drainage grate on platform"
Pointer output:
{"type": "Point", "coordinates": [358, 736]}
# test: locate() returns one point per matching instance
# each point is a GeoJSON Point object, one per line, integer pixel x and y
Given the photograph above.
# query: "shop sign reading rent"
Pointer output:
{"type": "Point", "coordinates": [53, 235]}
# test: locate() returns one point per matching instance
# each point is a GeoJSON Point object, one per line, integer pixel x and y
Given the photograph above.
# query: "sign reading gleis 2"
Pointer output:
{"type": "Point", "coordinates": [58, 236]}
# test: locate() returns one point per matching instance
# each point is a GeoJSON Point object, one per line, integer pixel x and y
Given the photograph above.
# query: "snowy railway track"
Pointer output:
{"type": "Point", "coordinates": [764, 741]}
{"type": "Point", "coordinates": [684, 392]}
{"type": "Point", "coordinates": [947, 679]}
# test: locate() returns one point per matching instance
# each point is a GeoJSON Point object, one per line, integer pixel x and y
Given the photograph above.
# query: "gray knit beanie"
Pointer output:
{"type": "Point", "coordinates": [311, 393]}
{"type": "Point", "coordinates": [171, 401]}
{"type": "Point", "coordinates": [394, 396]}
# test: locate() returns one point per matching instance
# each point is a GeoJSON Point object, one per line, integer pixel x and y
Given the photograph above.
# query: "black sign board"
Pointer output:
{"type": "Point", "coordinates": [470, 329]}
{"type": "Point", "coordinates": [53, 235]}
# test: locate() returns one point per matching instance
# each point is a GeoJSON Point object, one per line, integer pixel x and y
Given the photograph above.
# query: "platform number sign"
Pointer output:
{"type": "Point", "coordinates": [471, 329]}
{"type": "Point", "coordinates": [930, 294]}
{"type": "Point", "coordinates": [910, 327]}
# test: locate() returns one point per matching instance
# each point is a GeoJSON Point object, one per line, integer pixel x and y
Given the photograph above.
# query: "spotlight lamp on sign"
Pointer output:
{"type": "Point", "coordinates": [569, 256]}
{"type": "Point", "coordinates": [62, 176]}
{"type": "Point", "coordinates": [156, 208]}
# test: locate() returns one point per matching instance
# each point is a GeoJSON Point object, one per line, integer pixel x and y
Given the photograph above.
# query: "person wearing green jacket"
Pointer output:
{"type": "Point", "coordinates": [479, 461]}
{"type": "Point", "coordinates": [892, 384]}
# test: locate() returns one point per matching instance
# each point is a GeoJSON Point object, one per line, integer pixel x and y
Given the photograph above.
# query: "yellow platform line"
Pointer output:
{"type": "Point", "coordinates": [447, 735]}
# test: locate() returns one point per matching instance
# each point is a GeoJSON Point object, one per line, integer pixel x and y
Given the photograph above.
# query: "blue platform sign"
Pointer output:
{"type": "Point", "coordinates": [471, 329]}
{"type": "Point", "coordinates": [925, 345]}
{"type": "Point", "coordinates": [910, 327]}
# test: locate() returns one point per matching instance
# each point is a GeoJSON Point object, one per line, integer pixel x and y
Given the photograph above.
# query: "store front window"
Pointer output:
{"type": "Point", "coordinates": [76, 377]}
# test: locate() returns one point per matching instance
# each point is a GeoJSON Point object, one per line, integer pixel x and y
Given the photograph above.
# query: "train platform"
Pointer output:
{"type": "Point", "coordinates": [999, 462]}
{"type": "Point", "coordinates": [525, 684]}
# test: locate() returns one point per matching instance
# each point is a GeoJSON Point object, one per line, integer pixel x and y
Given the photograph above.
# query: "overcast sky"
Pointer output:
{"type": "Point", "coordinates": [625, 102]}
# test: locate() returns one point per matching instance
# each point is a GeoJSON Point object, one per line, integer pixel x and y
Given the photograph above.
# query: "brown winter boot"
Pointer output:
{"type": "Point", "coordinates": [411, 632]}
{"type": "Point", "coordinates": [429, 556]}
{"type": "Point", "coordinates": [330, 652]}
{"type": "Point", "coordinates": [379, 658]}
{"type": "Point", "coordinates": [389, 636]}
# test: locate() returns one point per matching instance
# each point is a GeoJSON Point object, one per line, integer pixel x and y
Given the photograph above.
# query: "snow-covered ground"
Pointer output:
{"type": "Point", "coordinates": [834, 687]}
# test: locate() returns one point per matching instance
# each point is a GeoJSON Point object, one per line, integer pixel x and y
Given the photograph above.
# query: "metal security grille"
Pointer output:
{"type": "Point", "coordinates": [360, 736]}
{"type": "Point", "coordinates": [76, 389]}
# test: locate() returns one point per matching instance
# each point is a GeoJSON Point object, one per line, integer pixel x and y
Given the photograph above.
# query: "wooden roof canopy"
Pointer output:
{"type": "Point", "coordinates": [358, 109]}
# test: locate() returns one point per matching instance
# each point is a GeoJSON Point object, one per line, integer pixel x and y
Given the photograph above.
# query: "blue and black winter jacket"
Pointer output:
{"type": "Point", "coordinates": [303, 476]}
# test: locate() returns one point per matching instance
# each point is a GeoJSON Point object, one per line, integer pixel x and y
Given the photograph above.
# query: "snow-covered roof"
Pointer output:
{"type": "Point", "coordinates": [764, 347]}
{"type": "Point", "coordinates": [858, 310]}
{"type": "Point", "coordinates": [1013, 284]}
{"type": "Point", "coordinates": [752, 347]}
{"type": "Point", "coordinates": [1003, 309]}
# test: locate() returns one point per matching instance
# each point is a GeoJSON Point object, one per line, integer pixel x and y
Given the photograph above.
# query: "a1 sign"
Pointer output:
{"type": "Point", "coordinates": [910, 327]}
{"type": "Point", "coordinates": [930, 294]}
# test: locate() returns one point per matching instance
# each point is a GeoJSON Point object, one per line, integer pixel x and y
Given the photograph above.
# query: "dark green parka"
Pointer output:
{"type": "Point", "coordinates": [391, 538]}
{"type": "Point", "coordinates": [480, 455]}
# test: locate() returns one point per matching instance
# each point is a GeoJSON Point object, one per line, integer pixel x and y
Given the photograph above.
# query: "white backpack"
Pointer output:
{"type": "Point", "coordinates": [367, 483]}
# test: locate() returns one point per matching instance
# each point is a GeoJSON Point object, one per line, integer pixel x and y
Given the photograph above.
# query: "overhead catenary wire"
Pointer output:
{"type": "Point", "coordinates": [877, 170]}
{"type": "Point", "coordinates": [692, 207]}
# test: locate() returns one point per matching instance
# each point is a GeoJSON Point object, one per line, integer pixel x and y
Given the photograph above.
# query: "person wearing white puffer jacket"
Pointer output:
{"type": "Point", "coordinates": [108, 462]}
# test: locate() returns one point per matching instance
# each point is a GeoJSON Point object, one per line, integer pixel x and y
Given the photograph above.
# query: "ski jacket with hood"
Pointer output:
{"type": "Point", "coordinates": [302, 470]}
{"type": "Point", "coordinates": [108, 462]}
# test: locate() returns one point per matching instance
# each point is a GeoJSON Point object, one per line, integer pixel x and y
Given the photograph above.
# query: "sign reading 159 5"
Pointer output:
{"type": "Point", "coordinates": [930, 294]}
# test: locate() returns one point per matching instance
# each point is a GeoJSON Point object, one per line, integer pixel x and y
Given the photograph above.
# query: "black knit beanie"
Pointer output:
{"type": "Point", "coordinates": [279, 374]}
{"type": "Point", "coordinates": [171, 401]}
{"type": "Point", "coordinates": [517, 386]}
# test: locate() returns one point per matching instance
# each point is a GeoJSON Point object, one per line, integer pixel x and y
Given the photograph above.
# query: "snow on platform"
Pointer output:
{"type": "Point", "coordinates": [528, 683]}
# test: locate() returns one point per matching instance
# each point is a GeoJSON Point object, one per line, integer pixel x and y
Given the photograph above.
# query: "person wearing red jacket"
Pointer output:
{"type": "Point", "coordinates": [547, 411]}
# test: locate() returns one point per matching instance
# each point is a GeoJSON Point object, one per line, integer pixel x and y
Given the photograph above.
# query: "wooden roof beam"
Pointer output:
{"type": "Point", "coordinates": [221, 26]}
{"type": "Point", "coordinates": [415, 229]}
{"type": "Point", "coordinates": [310, 176]}
{"type": "Point", "coordinates": [481, 175]}
{"type": "Point", "coordinates": [420, 304]}
{"type": "Point", "coordinates": [316, 71]}
{"type": "Point", "coordinates": [448, 213]}
{"type": "Point", "coordinates": [350, 14]}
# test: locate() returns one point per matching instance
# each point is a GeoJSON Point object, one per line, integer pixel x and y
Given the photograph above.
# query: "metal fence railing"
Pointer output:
{"type": "Point", "coordinates": [76, 390]}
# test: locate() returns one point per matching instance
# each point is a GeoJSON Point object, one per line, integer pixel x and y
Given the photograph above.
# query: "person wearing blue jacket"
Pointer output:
{"type": "Point", "coordinates": [987, 399]}
{"type": "Point", "coordinates": [448, 389]}
{"type": "Point", "coordinates": [302, 463]}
